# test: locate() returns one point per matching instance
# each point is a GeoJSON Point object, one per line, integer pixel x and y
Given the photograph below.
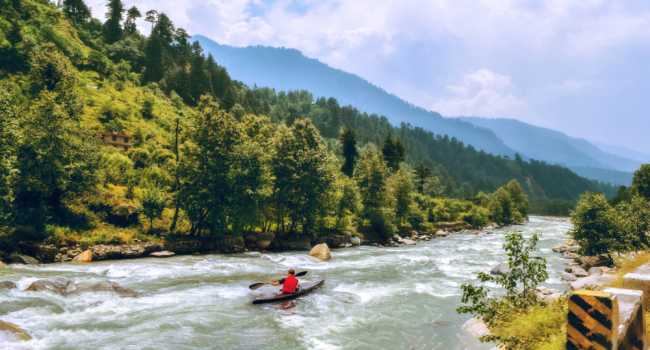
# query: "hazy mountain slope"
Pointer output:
{"type": "Point", "coordinates": [625, 152]}
{"type": "Point", "coordinates": [288, 69]}
{"type": "Point", "coordinates": [556, 147]}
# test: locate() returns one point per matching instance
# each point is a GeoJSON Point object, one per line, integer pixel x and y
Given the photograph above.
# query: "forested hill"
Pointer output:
{"type": "Point", "coordinates": [288, 69]}
{"type": "Point", "coordinates": [107, 131]}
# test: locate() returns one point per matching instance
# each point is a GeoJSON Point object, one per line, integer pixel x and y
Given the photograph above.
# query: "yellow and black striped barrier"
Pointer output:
{"type": "Point", "coordinates": [606, 320]}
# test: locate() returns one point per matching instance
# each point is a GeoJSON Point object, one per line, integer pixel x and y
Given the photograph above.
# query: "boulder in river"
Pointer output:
{"type": "Point", "coordinates": [15, 330]}
{"type": "Point", "coordinates": [55, 285]}
{"type": "Point", "coordinates": [7, 285]}
{"type": "Point", "coordinates": [2, 265]}
{"type": "Point", "coordinates": [85, 257]}
{"type": "Point", "coordinates": [321, 252]}
{"type": "Point", "coordinates": [23, 259]}
{"type": "Point", "coordinates": [500, 269]}
{"type": "Point", "coordinates": [355, 240]}
{"type": "Point", "coordinates": [162, 254]}
{"type": "Point", "coordinates": [105, 286]}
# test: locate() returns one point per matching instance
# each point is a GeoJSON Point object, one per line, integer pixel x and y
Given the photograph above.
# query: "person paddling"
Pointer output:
{"type": "Point", "coordinates": [289, 283]}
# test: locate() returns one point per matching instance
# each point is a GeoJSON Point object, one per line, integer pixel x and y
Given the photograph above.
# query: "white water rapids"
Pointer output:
{"type": "Point", "coordinates": [373, 298]}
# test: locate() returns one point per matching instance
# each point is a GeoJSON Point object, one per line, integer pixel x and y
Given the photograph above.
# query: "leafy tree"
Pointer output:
{"type": "Point", "coordinates": [77, 11]}
{"type": "Point", "coordinates": [113, 27]}
{"type": "Point", "coordinates": [131, 16]}
{"type": "Point", "coordinates": [594, 225]}
{"type": "Point", "coordinates": [147, 109]}
{"type": "Point", "coordinates": [641, 181]}
{"type": "Point", "coordinates": [153, 203]}
{"type": "Point", "coordinates": [422, 174]}
{"type": "Point", "coordinates": [349, 145]}
{"type": "Point", "coordinates": [393, 152]}
{"type": "Point", "coordinates": [401, 186]}
{"type": "Point", "coordinates": [372, 176]}
{"type": "Point", "coordinates": [207, 183]}
{"type": "Point", "coordinates": [8, 139]}
{"type": "Point", "coordinates": [623, 194]}
{"type": "Point", "coordinates": [633, 221]}
{"type": "Point", "coordinates": [525, 272]}
{"type": "Point", "coordinates": [301, 176]}
{"type": "Point", "coordinates": [518, 196]}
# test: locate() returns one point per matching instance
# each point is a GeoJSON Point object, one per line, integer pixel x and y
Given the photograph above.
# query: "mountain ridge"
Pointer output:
{"type": "Point", "coordinates": [288, 69]}
{"type": "Point", "coordinates": [556, 147]}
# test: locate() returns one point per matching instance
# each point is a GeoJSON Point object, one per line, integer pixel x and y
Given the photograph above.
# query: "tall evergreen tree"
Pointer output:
{"type": "Point", "coordinates": [153, 59]}
{"type": "Point", "coordinates": [422, 176]}
{"type": "Point", "coordinates": [393, 152]}
{"type": "Point", "coordinates": [131, 16]}
{"type": "Point", "coordinates": [113, 25]}
{"type": "Point", "coordinates": [76, 11]}
{"type": "Point", "coordinates": [350, 153]}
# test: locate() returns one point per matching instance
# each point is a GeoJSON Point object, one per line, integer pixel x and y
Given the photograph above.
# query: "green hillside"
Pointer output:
{"type": "Point", "coordinates": [108, 136]}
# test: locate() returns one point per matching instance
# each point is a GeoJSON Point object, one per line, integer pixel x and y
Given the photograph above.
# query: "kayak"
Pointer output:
{"type": "Point", "coordinates": [305, 288]}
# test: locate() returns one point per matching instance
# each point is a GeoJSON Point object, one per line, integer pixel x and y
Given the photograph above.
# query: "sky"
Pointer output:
{"type": "Point", "coordinates": [578, 66]}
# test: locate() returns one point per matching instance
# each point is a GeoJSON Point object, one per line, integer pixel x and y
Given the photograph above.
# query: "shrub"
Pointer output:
{"type": "Point", "coordinates": [525, 273]}
{"type": "Point", "coordinates": [594, 225]}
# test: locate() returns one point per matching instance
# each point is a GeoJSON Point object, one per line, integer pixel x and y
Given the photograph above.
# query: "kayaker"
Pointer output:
{"type": "Point", "coordinates": [290, 283]}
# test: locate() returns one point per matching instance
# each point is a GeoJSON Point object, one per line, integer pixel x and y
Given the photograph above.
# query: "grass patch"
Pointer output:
{"type": "Point", "coordinates": [628, 263]}
{"type": "Point", "coordinates": [102, 234]}
{"type": "Point", "coordinates": [539, 327]}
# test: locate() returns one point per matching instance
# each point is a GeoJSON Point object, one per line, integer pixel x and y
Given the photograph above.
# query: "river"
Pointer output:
{"type": "Point", "coordinates": [373, 298]}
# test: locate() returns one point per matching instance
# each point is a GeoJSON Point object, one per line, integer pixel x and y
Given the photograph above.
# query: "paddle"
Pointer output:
{"type": "Point", "coordinates": [259, 284]}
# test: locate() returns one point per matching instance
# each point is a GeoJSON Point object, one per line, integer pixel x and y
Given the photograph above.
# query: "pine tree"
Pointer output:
{"type": "Point", "coordinates": [112, 26]}
{"type": "Point", "coordinates": [350, 153]}
{"type": "Point", "coordinates": [76, 11]}
{"type": "Point", "coordinates": [393, 153]}
{"type": "Point", "coordinates": [153, 59]}
{"type": "Point", "coordinates": [131, 16]}
{"type": "Point", "coordinates": [422, 176]}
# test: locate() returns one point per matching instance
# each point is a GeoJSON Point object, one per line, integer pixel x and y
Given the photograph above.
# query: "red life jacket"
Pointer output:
{"type": "Point", "coordinates": [290, 284]}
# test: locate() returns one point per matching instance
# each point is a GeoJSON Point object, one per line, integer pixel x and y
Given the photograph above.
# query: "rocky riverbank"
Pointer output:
{"type": "Point", "coordinates": [30, 253]}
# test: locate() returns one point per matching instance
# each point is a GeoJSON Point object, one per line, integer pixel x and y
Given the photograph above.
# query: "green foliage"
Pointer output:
{"type": "Point", "coordinates": [350, 153]}
{"type": "Point", "coordinates": [594, 225]}
{"type": "Point", "coordinates": [641, 181]}
{"type": "Point", "coordinates": [153, 203]}
{"type": "Point", "coordinates": [76, 11]}
{"type": "Point", "coordinates": [393, 153]}
{"type": "Point", "coordinates": [400, 186]}
{"type": "Point", "coordinates": [508, 204]}
{"type": "Point", "coordinates": [526, 272]}
{"type": "Point", "coordinates": [301, 175]}
{"type": "Point", "coordinates": [372, 177]}
{"type": "Point", "coordinates": [112, 26]}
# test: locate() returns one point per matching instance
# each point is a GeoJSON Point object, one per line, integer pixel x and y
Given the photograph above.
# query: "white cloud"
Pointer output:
{"type": "Point", "coordinates": [482, 93]}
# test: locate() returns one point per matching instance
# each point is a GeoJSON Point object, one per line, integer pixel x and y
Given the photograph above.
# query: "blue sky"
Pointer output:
{"type": "Point", "coordinates": [578, 66]}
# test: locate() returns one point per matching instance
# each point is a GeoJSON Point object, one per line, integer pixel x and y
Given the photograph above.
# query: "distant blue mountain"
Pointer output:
{"type": "Point", "coordinates": [580, 155]}
{"type": "Point", "coordinates": [288, 69]}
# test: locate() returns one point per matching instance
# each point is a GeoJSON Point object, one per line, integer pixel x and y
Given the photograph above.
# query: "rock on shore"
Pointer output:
{"type": "Point", "coordinates": [85, 257]}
